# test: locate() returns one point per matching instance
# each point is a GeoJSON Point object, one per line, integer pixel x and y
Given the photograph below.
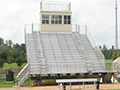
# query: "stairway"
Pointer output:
{"type": "Point", "coordinates": [83, 52]}
{"type": "Point", "coordinates": [97, 64]}
{"type": "Point", "coordinates": [39, 49]}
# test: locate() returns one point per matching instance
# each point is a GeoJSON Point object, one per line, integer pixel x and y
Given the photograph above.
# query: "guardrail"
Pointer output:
{"type": "Point", "coordinates": [76, 68]}
{"type": "Point", "coordinates": [3, 76]}
{"type": "Point", "coordinates": [21, 74]}
{"type": "Point", "coordinates": [117, 66]}
{"type": "Point", "coordinates": [84, 30]}
{"type": "Point", "coordinates": [55, 6]}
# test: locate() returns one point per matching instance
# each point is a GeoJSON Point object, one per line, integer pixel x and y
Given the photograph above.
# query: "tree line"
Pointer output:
{"type": "Point", "coordinates": [109, 53]}
{"type": "Point", "coordinates": [12, 53]}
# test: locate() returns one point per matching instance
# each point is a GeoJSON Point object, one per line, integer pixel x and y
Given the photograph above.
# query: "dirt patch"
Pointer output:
{"type": "Point", "coordinates": [102, 87]}
{"type": "Point", "coordinates": [110, 86]}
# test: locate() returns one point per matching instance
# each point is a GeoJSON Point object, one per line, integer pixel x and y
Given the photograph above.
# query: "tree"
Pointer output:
{"type": "Point", "coordinates": [16, 50]}
{"type": "Point", "coordinates": [110, 53]}
{"type": "Point", "coordinates": [10, 58]}
{"type": "Point", "coordinates": [4, 52]}
{"type": "Point", "coordinates": [105, 49]}
{"type": "Point", "coordinates": [23, 47]}
{"type": "Point", "coordinates": [1, 41]}
{"type": "Point", "coordinates": [19, 61]}
{"type": "Point", "coordinates": [0, 54]}
{"type": "Point", "coordinates": [114, 56]}
{"type": "Point", "coordinates": [10, 52]}
{"type": "Point", "coordinates": [25, 57]}
{"type": "Point", "coordinates": [2, 61]}
{"type": "Point", "coordinates": [119, 53]}
{"type": "Point", "coordinates": [9, 43]}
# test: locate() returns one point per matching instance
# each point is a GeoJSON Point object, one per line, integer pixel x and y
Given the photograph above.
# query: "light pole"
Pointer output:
{"type": "Point", "coordinates": [116, 27]}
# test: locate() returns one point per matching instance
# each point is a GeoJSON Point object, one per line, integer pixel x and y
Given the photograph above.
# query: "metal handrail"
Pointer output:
{"type": "Point", "coordinates": [21, 75]}
{"type": "Point", "coordinates": [55, 6]}
{"type": "Point", "coordinates": [63, 67]}
{"type": "Point", "coordinates": [26, 66]}
{"type": "Point", "coordinates": [84, 30]}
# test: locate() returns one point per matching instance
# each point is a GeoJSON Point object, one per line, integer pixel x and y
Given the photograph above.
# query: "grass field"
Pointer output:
{"type": "Point", "coordinates": [12, 67]}
{"type": "Point", "coordinates": [3, 83]}
{"type": "Point", "coordinates": [109, 64]}
{"type": "Point", "coordinates": [108, 60]}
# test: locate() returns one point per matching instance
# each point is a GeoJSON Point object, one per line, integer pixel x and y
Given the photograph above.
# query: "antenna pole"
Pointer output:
{"type": "Point", "coordinates": [116, 27]}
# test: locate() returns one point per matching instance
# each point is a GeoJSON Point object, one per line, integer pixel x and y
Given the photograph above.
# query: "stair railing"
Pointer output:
{"type": "Point", "coordinates": [21, 75]}
{"type": "Point", "coordinates": [84, 30]}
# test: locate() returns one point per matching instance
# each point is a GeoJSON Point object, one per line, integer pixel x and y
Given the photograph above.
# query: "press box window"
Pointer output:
{"type": "Point", "coordinates": [67, 19]}
{"type": "Point", "coordinates": [56, 19]}
{"type": "Point", "coordinates": [45, 19]}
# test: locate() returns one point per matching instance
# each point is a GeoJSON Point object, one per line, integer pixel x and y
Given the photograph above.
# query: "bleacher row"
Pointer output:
{"type": "Point", "coordinates": [60, 53]}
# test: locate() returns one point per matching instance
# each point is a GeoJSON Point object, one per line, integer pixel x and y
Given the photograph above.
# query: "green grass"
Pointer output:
{"type": "Point", "coordinates": [3, 83]}
{"type": "Point", "coordinates": [26, 83]}
{"type": "Point", "coordinates": [12, 67]}
{"type": "Point", "coordinates": [108, 60]}
{"type": "Point", "coordinates": [108, 64]}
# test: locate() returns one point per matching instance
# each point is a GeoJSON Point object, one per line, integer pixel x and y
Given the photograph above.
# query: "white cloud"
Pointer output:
{"type": "Point", "coordinates": [98, 15]}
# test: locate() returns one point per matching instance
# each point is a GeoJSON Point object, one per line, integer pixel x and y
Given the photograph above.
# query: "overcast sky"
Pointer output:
{"type": "Point", "coordinates": [98, 15]}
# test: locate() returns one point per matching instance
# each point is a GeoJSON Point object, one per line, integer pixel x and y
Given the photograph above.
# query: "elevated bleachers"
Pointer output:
{"type": "Point", "coordinates": [57, 52]}
{"type": "Point", "coordinates": [56, 46]}
{"type": "Point", "coordinates": [60, 53]}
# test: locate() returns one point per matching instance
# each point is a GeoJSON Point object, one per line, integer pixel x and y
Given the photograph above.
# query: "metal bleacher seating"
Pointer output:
{"type": "Point", "coordinates": [60, 53]}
